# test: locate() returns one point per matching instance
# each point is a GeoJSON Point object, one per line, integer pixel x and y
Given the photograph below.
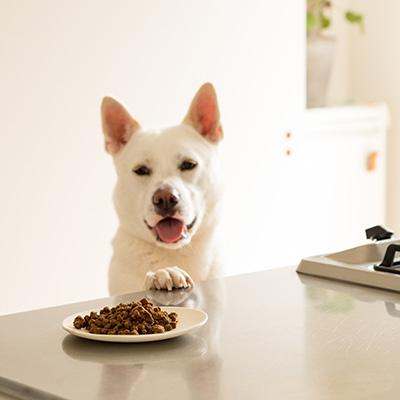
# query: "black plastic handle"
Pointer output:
{"type": "Point", "coordinates": [388, 260]}
{"type": "Point", "coordinates": [388, 264]}
{"type": "Point", "coordinates": [378, 232]}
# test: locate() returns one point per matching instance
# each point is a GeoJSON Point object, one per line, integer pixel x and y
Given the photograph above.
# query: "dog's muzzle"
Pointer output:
{"type": "Point", "coordinates": [166, 201]}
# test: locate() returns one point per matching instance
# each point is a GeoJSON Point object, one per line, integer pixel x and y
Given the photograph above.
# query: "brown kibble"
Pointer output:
{"type": "Point", "coordinates": [79, 322]}
{"type": "Point", "coordinates": [147, 317]}
{"type": "Point", "coordinates": [157, 329]}
{"type": "Point", "coordinates": [95, 329]}
{"type": "Point", "coordinates": [144, 301]}
{"type": "Point", "coordinates": [173, 316]}
{"type": "Point", "coordinates": [136, 318]}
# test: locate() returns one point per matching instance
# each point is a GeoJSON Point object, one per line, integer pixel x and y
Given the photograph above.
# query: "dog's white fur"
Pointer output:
{"type": "Point", "coordinates": [183, 159]}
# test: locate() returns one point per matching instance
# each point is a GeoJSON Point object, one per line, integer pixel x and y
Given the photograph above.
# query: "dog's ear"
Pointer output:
{"type": "Point", "coordinates": [203, 114]}
{"type": "Point", "coordinates": [118, 125]}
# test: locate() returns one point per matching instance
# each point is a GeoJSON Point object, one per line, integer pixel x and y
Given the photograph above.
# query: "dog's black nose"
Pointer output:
{"type": "Point", "coordinates": [166, 200]}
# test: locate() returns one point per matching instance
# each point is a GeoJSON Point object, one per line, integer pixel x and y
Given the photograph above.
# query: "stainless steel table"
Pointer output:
{"type": "Point", "coordinates": [270, 335]}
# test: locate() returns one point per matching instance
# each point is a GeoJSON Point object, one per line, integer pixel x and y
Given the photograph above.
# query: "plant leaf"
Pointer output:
{"type": "Point", "coordinates": [325, 21]}
{"type": "Point", "coordinates": [355, 18]}
{"type": "Point", "coordinates": [311, 21]}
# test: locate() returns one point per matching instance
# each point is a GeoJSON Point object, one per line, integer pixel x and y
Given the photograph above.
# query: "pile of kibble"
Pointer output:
{"type": "Point", "coordinates": [136, 318]}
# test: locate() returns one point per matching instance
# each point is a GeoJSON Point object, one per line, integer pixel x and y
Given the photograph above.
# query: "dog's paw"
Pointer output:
{"type": "Point", "coordinates": [168, 279]}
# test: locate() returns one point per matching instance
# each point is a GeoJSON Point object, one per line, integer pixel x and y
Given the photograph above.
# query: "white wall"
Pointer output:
{"type": "Point", "coordinates": [59, 58]}
{"type": "Point", "coordinates": [366, 69]}
{"type": "Point", "coordinates": [374, 74]}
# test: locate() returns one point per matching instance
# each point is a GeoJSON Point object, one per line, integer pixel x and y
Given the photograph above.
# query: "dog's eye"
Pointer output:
{"type": "Point", "coordinates": [188, 165]}
{"type": "Point", "coordinates": [142, 170]}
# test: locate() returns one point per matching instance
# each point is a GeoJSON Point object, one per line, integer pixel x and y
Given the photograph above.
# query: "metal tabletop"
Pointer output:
{"type": "Point", "coordinates": [270, 335]}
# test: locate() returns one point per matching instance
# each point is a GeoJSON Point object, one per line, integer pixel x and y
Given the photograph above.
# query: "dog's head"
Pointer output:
{"type": "Point", "coordinates": [168, 180]}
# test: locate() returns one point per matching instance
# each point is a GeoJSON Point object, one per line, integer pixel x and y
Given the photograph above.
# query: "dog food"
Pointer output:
{"type": "Point", "coordinates": [136, 318]}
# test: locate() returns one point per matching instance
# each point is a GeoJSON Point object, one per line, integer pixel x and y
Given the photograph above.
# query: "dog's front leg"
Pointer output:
{"type": "Point", "coordinates": [168, 279]}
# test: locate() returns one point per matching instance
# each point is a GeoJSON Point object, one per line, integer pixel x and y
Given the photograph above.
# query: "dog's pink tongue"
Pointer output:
{"type": "Point", "coordinates": [170, 229]}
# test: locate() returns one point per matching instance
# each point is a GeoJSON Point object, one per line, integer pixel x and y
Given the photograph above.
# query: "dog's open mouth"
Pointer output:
{"type": "Point", "coordinates": [171, 230]}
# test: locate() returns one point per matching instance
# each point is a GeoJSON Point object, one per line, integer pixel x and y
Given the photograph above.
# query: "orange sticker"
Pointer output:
{"type": "Point", "coordinates": [371, 162]}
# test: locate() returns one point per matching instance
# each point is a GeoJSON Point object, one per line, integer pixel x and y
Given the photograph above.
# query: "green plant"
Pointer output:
{"type": "Point", "coordinates": [318, 16]}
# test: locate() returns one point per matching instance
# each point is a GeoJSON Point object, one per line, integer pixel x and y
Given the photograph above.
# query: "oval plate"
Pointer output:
{"type": "Point", "coordinates": [189, 319]}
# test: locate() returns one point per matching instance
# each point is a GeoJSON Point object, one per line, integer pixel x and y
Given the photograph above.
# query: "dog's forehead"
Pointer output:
{"type": "Point", "coordinates": [178, 140]}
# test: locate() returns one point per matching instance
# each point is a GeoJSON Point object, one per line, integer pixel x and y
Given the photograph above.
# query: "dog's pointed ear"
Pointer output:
{"type": "Point", "coordinates": [118, 125]}
{"type": "Point", "coordinates": [203, 114]}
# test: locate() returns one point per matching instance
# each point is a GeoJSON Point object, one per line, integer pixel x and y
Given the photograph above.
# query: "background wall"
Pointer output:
{"type": "Point", "coordinates": [374, 74]}
{"type": "Point", "coordinates": [366, 69]}
{"type": "Point", "coordinates": [59, 58]}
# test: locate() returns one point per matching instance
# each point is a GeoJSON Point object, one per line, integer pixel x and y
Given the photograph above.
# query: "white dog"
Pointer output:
{"type": "Point", "coordinates": [167, 197]}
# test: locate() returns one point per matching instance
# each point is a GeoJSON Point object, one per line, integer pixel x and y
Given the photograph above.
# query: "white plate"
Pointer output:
{"type": "Point", "coordinates": [188, 320]}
